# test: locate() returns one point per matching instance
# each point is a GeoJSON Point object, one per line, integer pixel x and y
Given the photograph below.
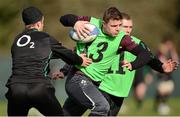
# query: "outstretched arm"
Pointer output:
{"type": "Point", "coordinates": [143, 56]}
{"type": "Point", "coordinates": [156, 64]}
{"type": "Point", "coordinates": [67, 55]}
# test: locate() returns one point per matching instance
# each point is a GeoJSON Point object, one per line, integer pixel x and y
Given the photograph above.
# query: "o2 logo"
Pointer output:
{"type": "Point", "coordinates": [28, 41]}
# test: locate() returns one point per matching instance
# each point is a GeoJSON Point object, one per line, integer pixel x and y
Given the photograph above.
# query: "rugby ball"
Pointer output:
{"type": "Point", "coordinates": [94, 31]}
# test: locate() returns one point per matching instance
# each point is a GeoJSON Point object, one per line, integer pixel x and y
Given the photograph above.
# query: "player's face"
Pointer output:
{"type": "Point", "coordinates": [127, 26]}
{"type": "Point", "coordinates": [112, 28]}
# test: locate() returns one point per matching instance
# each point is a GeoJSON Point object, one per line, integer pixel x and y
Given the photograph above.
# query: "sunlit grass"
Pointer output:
{"type": "Point", "coordinates": [129, 108]}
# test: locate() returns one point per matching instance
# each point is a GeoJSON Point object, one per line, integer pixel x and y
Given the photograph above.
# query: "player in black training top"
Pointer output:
{"type": "Point", "coordinates": [29, 85]}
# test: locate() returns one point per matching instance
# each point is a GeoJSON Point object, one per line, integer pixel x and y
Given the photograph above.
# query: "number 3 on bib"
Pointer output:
{"type": "Point", "coordinates": [99, 51]}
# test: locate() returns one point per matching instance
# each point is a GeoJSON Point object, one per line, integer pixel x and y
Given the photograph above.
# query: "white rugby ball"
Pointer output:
{"type": "Point", "coordinates": [94, 31]}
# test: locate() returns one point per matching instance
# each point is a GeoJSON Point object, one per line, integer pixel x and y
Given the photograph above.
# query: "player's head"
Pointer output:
{"type": "Point", "coordinates": [127, 23]}
{"type": "Point", "coordinates": [33, 18]}
{"type": "Point", "coordinates": [112, 21]}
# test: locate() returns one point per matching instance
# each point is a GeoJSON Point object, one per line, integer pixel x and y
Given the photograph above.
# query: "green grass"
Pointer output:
{"type": "Point", "coordinates": [130, 108]}
{"type": "Point", "coordinates": [147, 108]}
{"type": "Point", "coordinates": [3, 108]}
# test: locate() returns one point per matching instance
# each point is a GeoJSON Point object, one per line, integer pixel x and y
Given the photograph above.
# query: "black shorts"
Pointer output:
{"type": "Point", "coordinates": [22, 97]}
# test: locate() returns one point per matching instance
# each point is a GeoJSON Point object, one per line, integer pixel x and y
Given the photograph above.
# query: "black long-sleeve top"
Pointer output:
{"type": "Point", "coordinates": [31, 52]}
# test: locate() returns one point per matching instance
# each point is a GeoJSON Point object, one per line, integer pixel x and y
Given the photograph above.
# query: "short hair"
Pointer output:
{"type": "Point", "coordinates": [112, 13]}
{"type": "Point", "coordinates": [31, 15]}
{"type": "Point", "coordinates": [126, 16]}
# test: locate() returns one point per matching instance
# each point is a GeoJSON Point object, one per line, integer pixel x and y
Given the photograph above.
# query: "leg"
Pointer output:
{"type": "Point", "coordinates": [18, 104]}
{"type": "Point", "coordinates": [139, 87]}
{"type": "Point", "coordinates": [43, 98]}
{"type": "Point", "coordinates": [164, 90]}
{"type": "Point", "coordinates": [82, 90]}
{"type": "Point", "coordinates": [71, 108]}
{"type": "Point", "coordinates": [116, 106]}
{"type": "Point", "coordinates": [17, 109]}
{"type": "Point", "coordinates": [140, 91]}
{"type": "Point", "coordinates": [115, 103]}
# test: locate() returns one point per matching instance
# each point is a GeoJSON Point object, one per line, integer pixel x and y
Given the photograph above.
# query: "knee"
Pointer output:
{"type": "Point", "coordinates": [102, 108]}
{"type": "Point", "coordinates": [106, 108]}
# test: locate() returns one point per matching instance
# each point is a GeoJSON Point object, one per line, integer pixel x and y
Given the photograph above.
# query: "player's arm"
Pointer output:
{"type": "Point", "coordinates": [154, 63]}
{"type": "Point", "coordinates": [67, 55]}
{"type": "Point", "coordinates": [157, 65]}
{"type": "Point", "coordinates": [77, 22]}
{"type": "Point", "coordinates": [143, 56]}
{"type": "Point", "coordinates": [62, 72]}
{"type": "Point", "coordinates": [70, 20]}
{"type": "Point", "coordinates": [66, 68]}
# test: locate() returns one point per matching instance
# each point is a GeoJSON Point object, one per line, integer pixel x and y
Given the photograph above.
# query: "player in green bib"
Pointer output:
{"type": "Point", "coordinates": [102, 51]}
{"type": "Point", "coordinates": [118, 81]}
{"type": "Point", "coordinates": [82, 85]}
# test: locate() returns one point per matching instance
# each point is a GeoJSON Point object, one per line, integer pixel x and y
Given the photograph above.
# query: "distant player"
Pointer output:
{"type": "Point", "coordinates": [139, 83]}
{"type": "Point", "coordinates": [165, 87]}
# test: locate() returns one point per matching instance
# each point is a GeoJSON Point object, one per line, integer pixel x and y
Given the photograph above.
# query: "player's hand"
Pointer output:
{"type": "Point", "coordinates": [81, 30]}
{"type": "Point", "coordinates": [170, 66]}
{"type": "Point", "coordinates": [127, 65]}
{"type": "Point", "coordinates": [86, 61]}
{"type": "Point", "coordinates": [57, 75]}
